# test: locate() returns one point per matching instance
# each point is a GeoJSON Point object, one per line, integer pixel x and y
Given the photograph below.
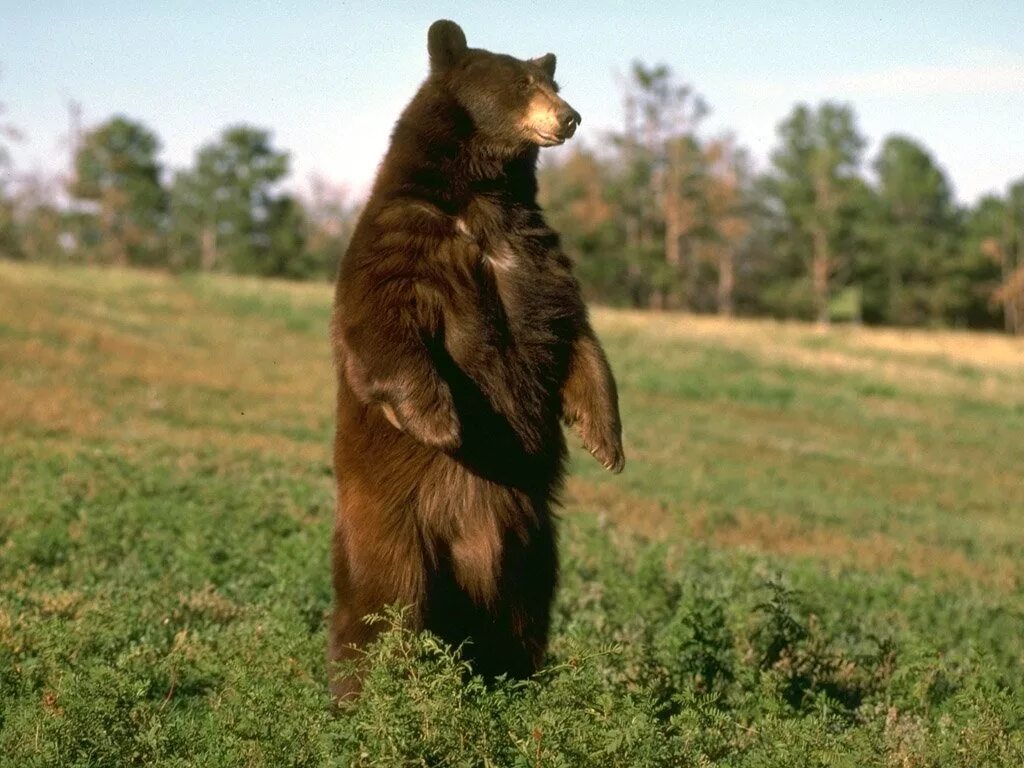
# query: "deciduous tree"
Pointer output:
{"type": "Point", "coordinates": [815, 169]}
{"type": "Point", "coordinates": [116, 171]}
{"type": "Point", "coordinates": [228, 212]}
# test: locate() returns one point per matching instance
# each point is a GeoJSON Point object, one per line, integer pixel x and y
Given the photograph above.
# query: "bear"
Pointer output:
{"type": "Point", "coordinates": [461, 342]}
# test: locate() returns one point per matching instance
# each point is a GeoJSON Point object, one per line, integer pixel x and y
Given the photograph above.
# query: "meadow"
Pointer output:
{"type": "Point", "coordinates": [815, 555]}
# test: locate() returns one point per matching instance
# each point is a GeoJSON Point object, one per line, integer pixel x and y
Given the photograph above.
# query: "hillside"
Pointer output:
{"type": "Point", "coordinates": [814, 554]}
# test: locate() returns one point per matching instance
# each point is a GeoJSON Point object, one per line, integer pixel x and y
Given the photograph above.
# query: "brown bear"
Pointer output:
{"type": "Point", "coordinates": [461, 341]}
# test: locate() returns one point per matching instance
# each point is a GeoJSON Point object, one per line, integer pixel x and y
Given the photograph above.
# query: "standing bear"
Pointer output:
{"type": "Point", "coordinates": [461, 341]}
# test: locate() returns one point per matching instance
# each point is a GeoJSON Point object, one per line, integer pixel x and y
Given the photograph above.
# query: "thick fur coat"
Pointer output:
{"type": "Point", "coordinates": [461, 343]}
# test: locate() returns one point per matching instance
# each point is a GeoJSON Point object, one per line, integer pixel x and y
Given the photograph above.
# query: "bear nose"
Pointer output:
{"type": "Point", "coordinates": [569, 120]}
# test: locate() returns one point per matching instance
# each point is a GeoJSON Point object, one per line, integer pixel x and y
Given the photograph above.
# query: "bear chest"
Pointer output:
{"type": "Point", "coordinates": [517, 286]}
{"type": "Point", "coordinates": [519, 316]}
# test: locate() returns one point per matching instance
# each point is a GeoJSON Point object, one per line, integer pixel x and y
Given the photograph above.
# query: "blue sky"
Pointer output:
{"type": "Point", "coordinates": [329, 78]}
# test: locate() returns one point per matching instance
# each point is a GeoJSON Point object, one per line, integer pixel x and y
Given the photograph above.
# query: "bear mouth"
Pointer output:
{"type": "Point", "coordinates": [549, 139]}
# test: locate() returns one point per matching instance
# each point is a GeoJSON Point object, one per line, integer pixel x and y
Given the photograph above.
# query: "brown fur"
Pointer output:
{"type": "Point", "coordinates": [460, 342]}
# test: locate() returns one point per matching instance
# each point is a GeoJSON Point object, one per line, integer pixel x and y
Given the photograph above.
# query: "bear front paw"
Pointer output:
{"type": "Point", "coordinates": [605, 445]}
{"type": "Point", "coordinates": [432, 422]}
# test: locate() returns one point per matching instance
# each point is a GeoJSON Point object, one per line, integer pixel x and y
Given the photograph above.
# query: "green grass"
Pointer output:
{"type": "Point", "coordinates": [814, 556]}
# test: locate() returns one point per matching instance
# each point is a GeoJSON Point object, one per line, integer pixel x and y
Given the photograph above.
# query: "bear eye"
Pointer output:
{"type": "Point", "coordinates": [526, 81]}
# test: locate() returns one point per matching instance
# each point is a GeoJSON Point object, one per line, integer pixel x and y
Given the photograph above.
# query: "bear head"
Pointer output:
{"type": "Point", "coordinates": [513, 103]}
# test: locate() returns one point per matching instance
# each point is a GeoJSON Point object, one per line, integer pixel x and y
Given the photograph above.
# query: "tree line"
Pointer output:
{"type": "Point", "coordinates": [661, 216]}
{"type": "Point", "coordinates": [228, 212]}
{"type": "Point", "coordinates": [656, 215]}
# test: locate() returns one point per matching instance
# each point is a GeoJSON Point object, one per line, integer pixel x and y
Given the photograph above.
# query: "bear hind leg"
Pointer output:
{"type": "Point", "coordinates": [392, 575]}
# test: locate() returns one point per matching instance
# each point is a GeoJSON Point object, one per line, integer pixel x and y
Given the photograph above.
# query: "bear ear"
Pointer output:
{"type": "Point", "coordinates": [446, 44]}
{"type": "Point", "coordinates": [547, 63]}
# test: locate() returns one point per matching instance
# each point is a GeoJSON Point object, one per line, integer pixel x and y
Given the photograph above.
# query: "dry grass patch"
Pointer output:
{"type": "Point", "coordinates": [55, 407]}
{"type": "Point", "coordinates": [901, 357]}
{"type": "Point", "coordinates": [781, 536]}
{"type": "Point", "coordinates": [632, 512]}
{"type": "Point", "coordinates": [876, 552]}
{"type": "Point", "coordinates": [977, 349]}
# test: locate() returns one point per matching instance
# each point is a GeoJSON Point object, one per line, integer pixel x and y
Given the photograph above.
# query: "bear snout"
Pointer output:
{"type": "Point", "coordinates": [568, 121]}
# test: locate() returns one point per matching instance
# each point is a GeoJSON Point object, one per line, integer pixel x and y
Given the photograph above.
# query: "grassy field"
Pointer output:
{"type": "Point", "coordinates": [815, 555]}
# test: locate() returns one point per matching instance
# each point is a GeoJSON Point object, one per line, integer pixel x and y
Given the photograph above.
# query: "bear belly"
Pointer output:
{"type": "Point", "coordinates": [491, 568]}
{"type": "Point", "coordinates": [468, 521]}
